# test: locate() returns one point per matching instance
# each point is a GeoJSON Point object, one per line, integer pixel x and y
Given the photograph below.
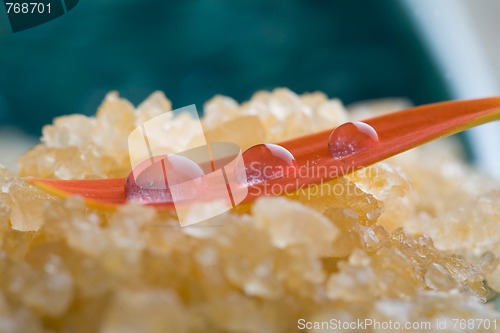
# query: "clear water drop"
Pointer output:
{"type": "Point", "coordinates": [351, 138]}
{"type": "Point", "coordinates": [266, 162]}
{"type": "Point", "coordinates": [152, 180]}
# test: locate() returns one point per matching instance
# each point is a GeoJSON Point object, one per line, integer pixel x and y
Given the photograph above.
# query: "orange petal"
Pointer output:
{"type": "Point", "coordinates": [397, 132]}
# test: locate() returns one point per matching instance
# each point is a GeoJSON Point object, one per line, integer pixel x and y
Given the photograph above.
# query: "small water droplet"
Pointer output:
{"type": "Point", "coordinates": [351, 138]}
{"type": "Point", "coordinates": [268, 161]}
{"type": "Point", "coordinates": [151, 181]}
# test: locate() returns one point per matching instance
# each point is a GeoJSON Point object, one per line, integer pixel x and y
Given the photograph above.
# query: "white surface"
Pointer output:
{"type": "Point", "coordinates": [463, 37]}
{"type": "Point", "coordinates": [13, 143]}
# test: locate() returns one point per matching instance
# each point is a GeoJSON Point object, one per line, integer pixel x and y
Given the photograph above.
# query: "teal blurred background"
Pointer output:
{"type": "Point", "coordinates": [194, 49]}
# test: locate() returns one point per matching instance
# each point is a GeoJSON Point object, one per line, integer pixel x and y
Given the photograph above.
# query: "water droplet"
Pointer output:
{"type": "Point", "coordinates": [152, 180]}
{"type": "Point", "coordinates": [268, 161]}
{"type": "Point", "coordinates": [351, 138]}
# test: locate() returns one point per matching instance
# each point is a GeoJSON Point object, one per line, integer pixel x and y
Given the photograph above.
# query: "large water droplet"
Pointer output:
{"type": "Point", "coordinates": [265, 162]}
{"type": "Point", "coordinates": [351, 138]}
{"type": "Point", "coordinates": [152, 180]}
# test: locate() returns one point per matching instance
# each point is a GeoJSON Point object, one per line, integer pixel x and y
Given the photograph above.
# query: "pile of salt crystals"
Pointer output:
{"type": "Point", "coordinates": [412, 239]}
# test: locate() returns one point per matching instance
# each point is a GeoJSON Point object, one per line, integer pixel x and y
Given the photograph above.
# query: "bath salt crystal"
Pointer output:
{"type": "Point", "coordinates": [258, 105]}
{"type": "Point", "coordinates": [459, 228]}
{"type": "Point", "coordinates": [14, 319]}
{"type": "Point", "coordinates": [291, 117]}
{"type": "Point", "coordinates": [444, 182]}
{"type": "Point", "coordinates": [207, 257]}
{"type": "Point", "coordinates": [4, 214]}
{"type": "Point", "coordinates": [71, 130]}
{"type": "Point", "coordinates": [91, 279]}
{"type": "Point", "coordinates": [219, 109]}
{"type": "Point", "coordinates": [290, 223]}
{"type": "Point", "coordinates": [352, 284]}
{"type": "Point", "coordinates": [154, 105]}
{"type": "Point", "coordinates": [134, 214]}
{"type": "Point", "coordinates": [85, 236]}
{"type": "Point", "coordinates": [487, 262]}
{"type": "Point", "coordinates": [236, 313]}
{"type": "Point", "coordinates": [16, 244]}
{"type": "Point", "coordinates": [347, 222]}
{"type": "Point", "coordinates": [115, 119]}
{"type": "Point", "coordinates": [373, 238]}
{"type": "Point", "coordinates": [282, 113]}
{"type": "Point", "coordinates": [298, 124]}
{"type": "Point", "coordinates": [151, 311]}
{"type": "Point", "coordinates": [340, 193]}
{"type": "Point", "coordinates": [38, 162]}
{"type": "Point", "coordinates": [301, 270]}
{"type": "Point", "coordinates": [391, 187]}
{"type": "Point", "coordinates": [173, 132]}
{"type": "Point", "coordinates": [314, 99]}
{"type": "Point", "coordinates": [242, 263]}
{"type": "Point", "coordinates": [164, 237]}
{"type": "Point", "coordinates": [209, 228]}
{"type": "Point", "coordinates": [27, 208]}
{"type": "Point", "coordinates": [284, 103]}
{"type": "Point", "coordinates": [330, 114]}
{"type": "Point", "coordinates": [125, 235]}
{"type": "Point", "coordinates": [261, 284]}
{"type": "Point", "coordinates": [71, 163]}
{"type": "Point", "coordinates": [438, 278]}
{"type": "Point", "coordinates": [49, 289]}
{"type": "Point", "coordinates": [244, 131]}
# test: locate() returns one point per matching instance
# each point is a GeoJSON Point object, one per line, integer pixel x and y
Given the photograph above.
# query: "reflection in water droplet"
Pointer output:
{"type": "Point", "coordinates": [265, 162]}
{"type": "Point", "coordinates": [351, 138]}
{"type": "Point", "coordinates": [151, 182]}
